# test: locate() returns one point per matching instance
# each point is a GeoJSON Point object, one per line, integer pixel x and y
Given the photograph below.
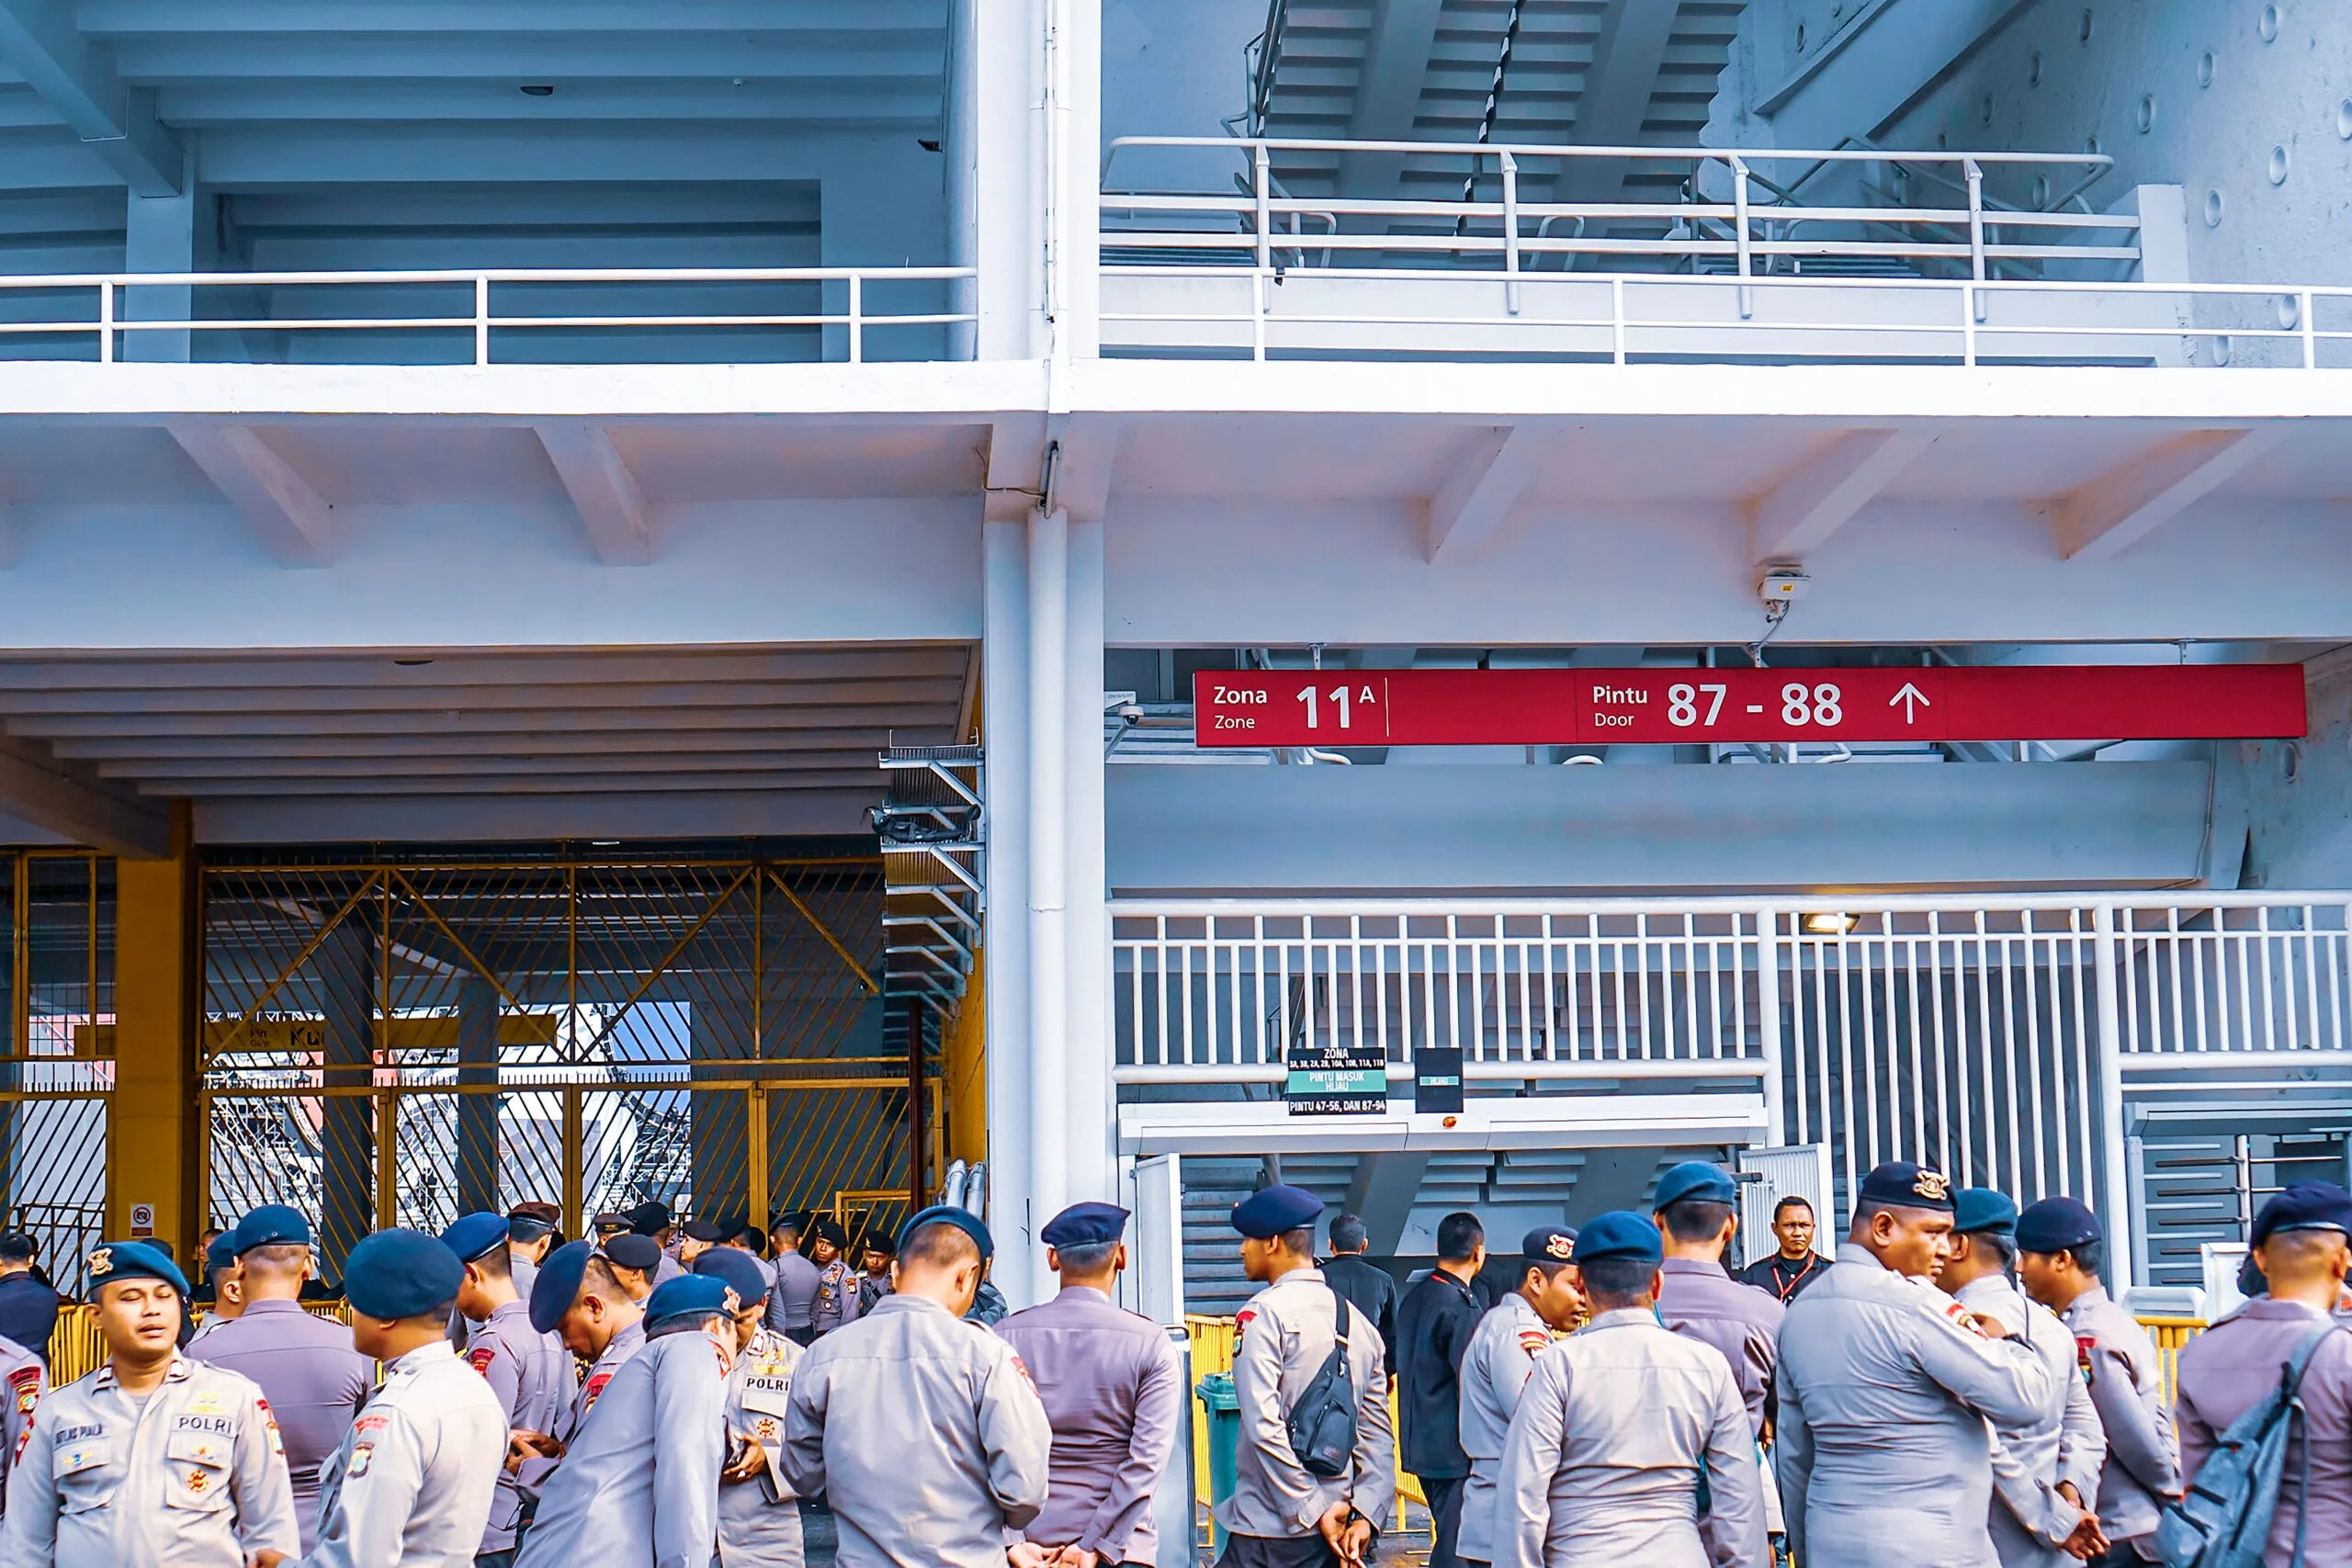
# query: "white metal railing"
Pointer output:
{"type": "Point", "coordinates": [110, 316]}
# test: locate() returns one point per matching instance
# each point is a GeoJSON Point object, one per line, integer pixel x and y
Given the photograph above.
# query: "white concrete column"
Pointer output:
{"type": "Point", "coordinates": [996, 162]}
{"type": "Point", "coordinates": [1074, 173]}
{"type": "Point", "coordinates": [164, 233]}
{"type": "Point", "coordinates": [1089, 1100]}
{"type": "Point", "coordinates": [1049, 953]}
{"type": "Point", "coordinates": [1005, 731]}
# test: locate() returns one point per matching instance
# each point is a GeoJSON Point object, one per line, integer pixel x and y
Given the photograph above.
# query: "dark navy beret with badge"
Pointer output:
{"type": "Point", "coordinates": [476, 1235]}
{"type": "Point", "coordinates": [1549, 1243]}
{"type": "Point", "coordinates": [115, 1261]}
{"type": "Point", "coordinates": [635, 1251]}
{"type": "Point", "coordinates": [1085, 1225]}
{"type": "Point", "coordinates": [400, 1274]}
{"type": "Point", "coordinates": [557, 1285]}
{"type": "Point", "coordinates": [2055, 1224]}
{"type": "Point", "coordinates": [737, 1271]}
{"type": "Point", "coordinates": [824, 1229]}
{"type": "Point", "coordinates": [1979, 1210]}
{"type": "Point", "coordinates": [272, 1225]}
{"type": "Point", "coordinates": [1696, 1179]}
{"type": "Point", "coordinates": [1275, 1211]}
{"type": "Point", "coordinates": [948, 1214]}
{"type": "Point", "coordinates": [2304, 1206]}
{"type": "Point", "coordinates": [1902, 1184]}
{"type": "Point", "coordinates": [685, 1302]}
{"type": "Point", "coordinates": [1620, 1232]}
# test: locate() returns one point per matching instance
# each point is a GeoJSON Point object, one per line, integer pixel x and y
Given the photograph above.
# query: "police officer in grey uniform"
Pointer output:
{"type": "Point", "coordinates": [527, 1372]}
{"type": "Point", "coordinates": [635, 1263]}
{"type": "Point", "coordinates": [577, 1299]}
{"type": "Point", "coordinates": [835, 1279]}
{"type": "Point", "coordinates": [924, 1430]}
{"type": "Point", "coordinates": [759, 1520]}
{"type": "Point", "coordinates": [2062, 1250]}
{"type": "Point", "coordinates": [639, 1485]}
{"type": "Point", "coordinates": [1113, 1392]}
{"type": "Point", "coordinates": [530, 1236]}
{"type": "Point", "coordinates": [409, 1487]}
{"type": "Point", "coordinates": [153, 1458]}
{"type": "Point", "coordinates": [872, 1282]}
{"type": "Point", "coordinates": [1885, 1390]}
{"type": "Point", "coordinates": [23, 1379]}
{"type": "Point", "coordinates": [1495, 1369]}
{"type": "Point", "coordinates": [316, 1381]}
{"type": "Point", "coordinates": [1697, 1211]}
{"type": "Point", "coordinates": [228, 1290]}
{"type": "Point", "coordinates": [2045, 1474]}
{"type": "Point", "coordinates": [1281, 1515]}
{"type": "Point", "coordinates": [1618, 1426]}
{"type": "Point", "coordinates": [794, 1299]}
{"type": "Point", "coordinates": [2300, 1237]}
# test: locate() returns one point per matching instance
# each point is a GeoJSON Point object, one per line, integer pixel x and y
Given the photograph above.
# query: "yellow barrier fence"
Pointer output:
{"type": "Point", "coordinates": [75, 1350]}
{"type": "Point", "coordinates": [2171, 1334]}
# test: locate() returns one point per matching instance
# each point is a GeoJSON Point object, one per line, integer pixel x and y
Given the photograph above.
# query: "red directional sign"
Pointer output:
{"type": "Point", "coordinates": [1566, 707]}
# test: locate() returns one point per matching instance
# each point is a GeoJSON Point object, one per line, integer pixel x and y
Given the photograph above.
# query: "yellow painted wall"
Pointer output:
{"type": "Point", "coordinates": [152, 1116]}
{"type": "Point", "coordinates": [967, 1071]}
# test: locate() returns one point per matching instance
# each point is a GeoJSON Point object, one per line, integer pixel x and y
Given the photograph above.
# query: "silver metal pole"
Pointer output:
{"type": "Point", "coordinates": [2113, 1186]}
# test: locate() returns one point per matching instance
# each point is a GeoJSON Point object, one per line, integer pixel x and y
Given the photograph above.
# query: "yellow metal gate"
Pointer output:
{"type": "Point", "coordinates": [402, 1041]}
{"type": "Point", "coordinates": [56, 985]}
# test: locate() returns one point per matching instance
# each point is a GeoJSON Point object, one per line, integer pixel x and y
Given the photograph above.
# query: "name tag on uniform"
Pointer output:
{"type": "Point", "coordinates": [218, 1425]}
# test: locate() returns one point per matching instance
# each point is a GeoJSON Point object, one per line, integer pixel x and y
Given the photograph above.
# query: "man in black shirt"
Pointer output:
{"type": "Point", "coordinates": [27, 1306]}
{"type": "Point", "coordinates": [1371, 1289]}
{"type": "Point", "coordinates": [1434, 1323]}
{"type": "Point", "coordinates": [1795, 1265]}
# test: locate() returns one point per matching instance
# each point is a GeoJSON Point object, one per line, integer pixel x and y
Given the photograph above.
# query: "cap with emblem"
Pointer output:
{"type": "Point", "coordinates": [2056, 1223]}
{"type": "Point", "coordinates": [634, 1251]}
{"type": "Point", "coordinates": [2304, 1206]}
{"type": "Point", "coordinates": [528, 1222]}
{"type": "Point", "coordinates": [222, 1256]}
{"type": "Point", "coordinates": [649, 1218]}
{"type": "Point", "coordinates": [610, 1223]}
{"type": "Point", "coordinates": [703, 1231]}
{"type": "Point", "coordinates": [948, 1214]}
{"type": "Point", "coordinates": [116, 1261]}
{"type": "Point", "coordinates": [1620, 1232]}
{"type": "Point", "coordinates": [1902, 1184]}
{"type": "Point", "coordinates": [1275, 1211]}
{"type": "Point", "coordinates": [737, 1271]}
{"type": "Point", "coordinates": [476, 1235]}
{"type": "Point", "coordinates": [557, 1285]}
{"type": "Point", "coordinates": [1085, 1225]}
{"type": "Point", "coordinates": [1696, 1180]}
{"type": "Point", "coordinates": [1977, 1211]}
{"type": "Point", "coordinates": [402, 1273]}
{"type": "Point", "coordinates": [272, 1225]}
{"type": "Point", "coordinates": [1549, 1243]}
{"type": "Point", "coordinates": [683, 1301]}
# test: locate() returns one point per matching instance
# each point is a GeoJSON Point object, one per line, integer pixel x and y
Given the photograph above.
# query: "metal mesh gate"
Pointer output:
{"type": "Point", "coordinates": [400, 1043]}
{"type": "Point", "coordinates": [57, 936]}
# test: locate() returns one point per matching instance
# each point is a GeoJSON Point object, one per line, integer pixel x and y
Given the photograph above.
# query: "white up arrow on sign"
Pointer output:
{"type": "Point", "coordinates": [1913, 699]}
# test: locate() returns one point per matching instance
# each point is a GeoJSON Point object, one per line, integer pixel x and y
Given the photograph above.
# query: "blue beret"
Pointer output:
{"type": "Point", "coordinates": [687, 1297]}
{"type": "Point", "coordinates": [2304, 1206]}
{"type": "Point", "coordinates": [1085, 1225]}
{"type": "Point", "coordinates": [1549, 1243]}
{"type": "Point", "coordinates": [1976, 1210]}
{"type": "Point", "coordinates": [632, 1250]}
{"type": "Point", "coordinates": [1621, 1234]}
{"type": "Point", "coordinates": [735, 1270]}
{"type": "Point", "coordinates": [557, 1285]}
{"type": "Point", "coordinates": [474, 1236]}
{"type": "Point", "coordinates": [272, 1225]}
{"type": "Point", "coordinates": [2056, 1223]}
{"type": "Point", "coordinates": [117, 1260]}
{"type": "Point", "coordinates": [946, 1214]}
{"type": "Point", "coordinates": [1902, 1184]}
{"type": "Point", "coordinates": [222, 1256]}
{"type": "Point", "coordinates": [400, 1274]}
{"type": "Point", "coordinates": [1695, 1178]}
{"type": "Point", "coordinates": [1274, 1211]}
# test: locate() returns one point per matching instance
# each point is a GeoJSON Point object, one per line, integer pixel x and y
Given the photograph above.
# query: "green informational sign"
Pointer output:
{"type": "Point", "coordinates": [1337, 1080]}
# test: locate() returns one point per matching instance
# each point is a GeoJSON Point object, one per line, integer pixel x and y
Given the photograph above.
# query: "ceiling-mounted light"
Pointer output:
{"type": "Point", "coordinates": [539, 90]}
{"type": "Point", "coordinates": [1830, 922]}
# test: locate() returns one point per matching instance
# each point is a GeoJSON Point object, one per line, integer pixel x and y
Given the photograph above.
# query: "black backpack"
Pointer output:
{"type": "Point", "coordinates": [1323, 1422]}
{"type": "Point", "coordinates": [2223, 1521]}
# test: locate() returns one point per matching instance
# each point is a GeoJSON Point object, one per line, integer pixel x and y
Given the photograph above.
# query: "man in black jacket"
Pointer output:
{"type": "Point", "coordinates": [1371, 1289]}
{"type": "Point", "coordinates": [1434, 1323]}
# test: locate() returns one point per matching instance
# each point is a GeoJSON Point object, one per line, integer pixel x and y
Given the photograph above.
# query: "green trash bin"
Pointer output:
{"type": "Point", "coordinates": [1223, 1403]}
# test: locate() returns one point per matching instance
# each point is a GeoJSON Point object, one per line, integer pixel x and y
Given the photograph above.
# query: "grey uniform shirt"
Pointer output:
{"type": "Point", "coordinates": [1286, 1335]}
{"type": "Point", "coordinates": [1881, 1443]}
{"type": "Point", "coordinates": [1114, 1393]}
{"type": "Point", "coordinates": [411, 1485]}
{"type": "Point", "coordinates": [529, 1376]}
{"type": "Point", "coordinates": [23, 1379]}
{"type": "Point", "coordinates": [2232, 1365]}
{"type": "Point", "coordinates": [315, 1383]}
{"type": "Point", "coordinates": [1494, 1373]}
{"type": "Point", "coordinates": [1601, 1464]}
{"type": "Point", "coordinates": [924, 1434]}
{"type": "Point", "coordinates": [759, 1523]}
{"type": "Point", "coordinates": [795, 1294]}
{"type": "Point", "coordinates": [193, 1476]}
{"type": "Point", "coordinates": [1700, 1301]}
{"type": "Point", "coordinates": [639, 1488]}
{"type": "Point", "coordinates": [2143, 1460]}
{"type": "Point", "coordinates": [2064, 1442]}
{"type": "Point", "coordinates": [831, 1308]}
{"type": "Point", "coordinates": [580, 1400]}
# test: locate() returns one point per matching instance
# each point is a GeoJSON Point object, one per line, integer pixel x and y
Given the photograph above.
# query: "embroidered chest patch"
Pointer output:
{"type": "Point", "coordinates": [481, 1356]}
{"type": "Point", "coordinates": [362, 1456]}
{"type": "Point", "coordinates": [26, 1381]}
{"type": "Point", "coordinates": [199, 1481]}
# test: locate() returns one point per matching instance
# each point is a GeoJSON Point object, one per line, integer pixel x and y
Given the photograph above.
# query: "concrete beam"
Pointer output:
{"type": "Point", "coordinates": [69, 801]}
{"type": "Point", "coordinates": [1616, 95]}
{"type": "Point", "coordinates": [76, 78]}
{"type": "Point", "coordinates": [1380, 1193]}
{"type": "Point", "coordinates": [611, 506]}
{"type": "Point", "coordinates": [1800, 513]}
{"type": "Point", "coordinates": [1389, 93]}
{"type": "Point", "coordinates": [1016, 457]}
{"type": "Point", "coordinates": [1468, 509]}
{"type": "Point", "coordinates": [2104, 518]}
{"type": "Point", "coordinates": [1086, 448]}
{"type": "Point", "coordinates": [296, 525]}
